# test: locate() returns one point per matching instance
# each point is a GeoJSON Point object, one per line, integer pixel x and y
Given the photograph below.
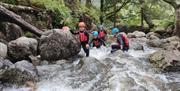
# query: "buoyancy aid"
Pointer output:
{"type": "Point", "coordinates": [82, 37]}
{"type": "Point", "coordinates": [101, 34]}
{"type": "Point", "coordinates": [96, 42]}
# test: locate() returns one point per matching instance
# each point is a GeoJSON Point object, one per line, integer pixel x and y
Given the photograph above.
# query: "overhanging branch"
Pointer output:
{"type": "Point", "coordinates": [112, 13]}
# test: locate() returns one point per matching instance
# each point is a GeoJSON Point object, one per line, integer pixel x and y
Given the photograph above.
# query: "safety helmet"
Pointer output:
{"type": "Point", "coordinates": [82, 24]}
{"type": "Point", "coordinates": [115, 30]}
{"type": "Point", "coordinates": [95, 34]}
{"type": "Point", "coordinates": [101, 27]}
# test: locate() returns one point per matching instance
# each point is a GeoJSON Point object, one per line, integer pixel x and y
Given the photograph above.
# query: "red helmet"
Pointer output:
{"type": "Point", "coordinates": [82, 24]}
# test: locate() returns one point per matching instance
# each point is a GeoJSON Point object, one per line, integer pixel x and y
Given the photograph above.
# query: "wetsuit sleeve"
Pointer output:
{"type": "Point", "coordinates": [105, 32]}
{"type": "Point", "coordinates": [102, 42]}
{"type": "Point", "coordinates": [87, 37]}
{"type": "Point", "coordinates": [119, 38]}
{"type": "Point", "coordinates": [91, 41]}
{"type": "Point", "coordinates": [74, 32]}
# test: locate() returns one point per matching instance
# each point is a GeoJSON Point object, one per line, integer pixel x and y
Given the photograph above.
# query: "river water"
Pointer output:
{"type": "Point", "coordinates": [131, 73]}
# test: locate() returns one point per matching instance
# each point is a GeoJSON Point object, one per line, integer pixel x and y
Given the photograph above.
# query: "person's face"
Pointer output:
{"type": "Point", "coordinates": [82, 28]}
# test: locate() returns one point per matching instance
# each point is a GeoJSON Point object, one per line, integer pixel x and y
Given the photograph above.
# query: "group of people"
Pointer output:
{"type": "Point", "coordinates": [99, 38]}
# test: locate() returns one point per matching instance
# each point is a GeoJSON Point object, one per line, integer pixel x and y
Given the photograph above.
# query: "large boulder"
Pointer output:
{"type": "Point", "coordinates": [10, 31]}
{"type": "Point", "coordinates": [171, 43]}
{"type": "Point", "coordinates": [57, 44]}
{"type": "Point", "coordinates": [3, 50]}
{"type": "Point", "coordinates": [155, 43]}
{"type": "Point", "coordinates": [137, 43]}
{"type": "Point", "coordinates": [18, 73]}
{"type": "Point", "coordinates": [153, 35]}
{"type": "Point", "coordinates": [22, 48]}
{"type": "Point", "coordinates": [136, 34]}
{"type": "Point", "coordinates": [160, 30]}
{"type": "Point", "coordinates": [166, 60]}
{"type": "Point", "coordinates": [91, 65]}
{"type": "Point", "coordinates": [88, 69]}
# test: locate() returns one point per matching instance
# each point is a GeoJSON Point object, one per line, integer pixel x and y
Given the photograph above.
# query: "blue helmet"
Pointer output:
{"type": "Point", "coordinates": [95, 34]}
{"type": "Point", "coordinates": [115, 30]}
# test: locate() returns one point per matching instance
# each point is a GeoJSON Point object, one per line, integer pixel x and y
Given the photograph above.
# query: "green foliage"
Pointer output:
{"type": "Point", "coordinates": [62, 13]}
{"type": "Point", "coordinates": [28, 34]}
{"type": "Point", "coordinates": [93, 12]}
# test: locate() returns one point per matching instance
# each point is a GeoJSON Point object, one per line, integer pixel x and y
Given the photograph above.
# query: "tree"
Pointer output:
{"type": "Point", "coordinates": [88, 3]}
{"type": "Point", "coordinates": [112, 7]}
{"type": "Point", "coordinates": [101, 18]}
{"type": "Point", "coordinates": [144, 15]}
{"type": "Point", "coordinates": [176, 6]}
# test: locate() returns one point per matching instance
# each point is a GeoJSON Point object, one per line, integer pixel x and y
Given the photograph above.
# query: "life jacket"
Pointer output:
{"type": "Point", "coordinates": [96, 42]}
{"type": "Point", "coordinates": [124, 39]}
{"type": "Point", "coordinates": [82, 37]}
{"type": "Point", "coordinates": [101, 34]}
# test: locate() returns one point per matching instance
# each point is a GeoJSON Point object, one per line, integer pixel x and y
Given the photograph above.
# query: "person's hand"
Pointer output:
{"type": "Point", "coordinates": [121, 47]}
{"type": "Point", "coordinates": [87, 46]}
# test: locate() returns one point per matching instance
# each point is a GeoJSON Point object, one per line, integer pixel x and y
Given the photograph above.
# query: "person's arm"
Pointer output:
{"type": "Point", "coordinates": [74, 32]}
{"type": "Point", "coordinates": [119, 38]}
{"type": "Point", "coordinates": [105, 32]}
{"type": "Point", "coordinates": [90, 42]}
{"type": "Point", "coordinates": [87, 37]}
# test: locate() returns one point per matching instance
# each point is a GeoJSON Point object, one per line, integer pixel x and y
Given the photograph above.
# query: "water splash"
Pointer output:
{"type": "Point", "coordinates": [133, 73]}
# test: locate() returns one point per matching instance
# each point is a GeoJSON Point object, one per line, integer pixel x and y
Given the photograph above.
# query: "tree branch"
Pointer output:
{"type": "Point", "coordinates": [171, 2]}
{"type": "Point", "coordinates": [6, 15]}
{"type": "Point", "coordinates": [17, 8]}
{"type": "Point", "coordinates": [112, 13]}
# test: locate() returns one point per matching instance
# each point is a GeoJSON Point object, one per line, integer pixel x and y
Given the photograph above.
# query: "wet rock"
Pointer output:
{"type": "Point", "coordinates": [5, 63]}
{"type": "Point", "coordinates": [91, 65]}
{"type": "Point", "coordinates": [20, 73]}
{"type": "Point", "coordinates": [3, 50]}
{"type": "Point", "coordinates": [173, 38]}
{"type": "Point", "coordinates": [31, 85]}
{"type": "Point", "coordinates": [26, 66]}
{"type": "Point", "coordinates": [166, 60]}
{"type": "Point", "coordinates": [137, 43]}
{"type": "Point", "coordinates": [136, 34]}
{"type": "Point", "coordinates": [131, 35]}
{"type": "Point", "coordinates": [155, 43]}
{"type": "Point", "coordinates": [44, 62]}
{"type": "Point", "coordinates": [10, 31]}
{"type": "Point", "coordinates": [174, 86]}
{"type": "Point", "coordinates": [57, 44]}
{"type": "Point", "coordinates": [35, 60]}
{"type": "Point", "coordinates": [21, 48]}
{"type": "Point", "coordinates": [152, 35]}
{"type": "Point", "coordinates": [119, 53]}
{"type": "Point", "coordinates": [171, 43]}
{"type": "Point", "coordinates": [160, 31]}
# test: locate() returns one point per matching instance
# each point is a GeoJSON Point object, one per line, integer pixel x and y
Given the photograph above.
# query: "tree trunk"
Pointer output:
{"type": "Point", "coordinates": [102, 12]}
{"type": "Point", "coordinates": [177, 22]}
{"type": "Point", "coordinates": [142, 19]}
{"type": "Point", "coordinates": [6, 15]}
{"type": "Point", "coordinates": [88, 3]}
{"type": "Point", "coordinates": [115, 13]}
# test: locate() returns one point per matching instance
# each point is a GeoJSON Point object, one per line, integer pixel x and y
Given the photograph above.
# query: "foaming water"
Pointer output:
{"type": "Point", "coordinates": [100, 53]}
{"type": "Point", "coordinates": [132, 73]}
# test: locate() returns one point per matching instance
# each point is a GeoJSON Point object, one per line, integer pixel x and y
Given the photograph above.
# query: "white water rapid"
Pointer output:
{"type": "Point", "coordinates": [131, 73]}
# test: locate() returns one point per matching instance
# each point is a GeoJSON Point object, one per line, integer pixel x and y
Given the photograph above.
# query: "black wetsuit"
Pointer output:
{"type": "Point", "coordinates": [83, 43]}
{"type": "Point", "coordinates": [97, 42]}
